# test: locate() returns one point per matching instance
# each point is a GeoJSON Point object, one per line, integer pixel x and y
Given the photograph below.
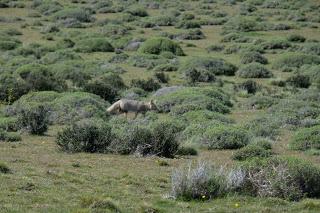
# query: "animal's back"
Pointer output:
{"type": "Point", "coordinates": [131, 105]}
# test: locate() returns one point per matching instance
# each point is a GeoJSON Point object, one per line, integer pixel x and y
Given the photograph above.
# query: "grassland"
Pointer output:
{"type": "Point", "coordinates": [43, 178]}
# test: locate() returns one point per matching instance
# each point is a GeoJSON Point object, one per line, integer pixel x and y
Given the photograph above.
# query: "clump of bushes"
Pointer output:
{"type": "Point", "coordinates": [34, 118]}
{"type": "Point", "coordinates": [251, 151]}
{"type": "Point", "coordinates": [286, 178]}
{"type": "Point", "coordinates": [202, 183]}
{"type": "Point", "coordinates": [299, 81]}
{"type": "Point", "coordinates": [295, 61]}
{"type": "Point", "coordinates": [78, 14]}
{"type": "Point", "coordinates": [94, 45]}
{"type": "Point", "coordinates": [241, 24]}
{"type": "Point", "coordinates": [296, 38]}
{"type": "Point", "coordinates": [306, 138]}
{"type": "Point", "coordinates": [159, 45]}
{"type": "Point", "coordinates": [312, 49]}
{"type": "Point", "coordinates": [250, 86]}
{"type": "Point", "coordinates": [254, 70]}
{"type": "Point", "coordinates": [85, 136]}
{"type": "Point", "coordinates": [204, 68]}
{"type": "Point", "coordinates": [188, 99]}
{"type": "Point", "coordinates": [147, 85]}
{"type": "Point", "coordinates": [137, 11]}
{"type": "Point", "coordinates": [4, 168]}
{"type": "Point", "coordinates": [225, 137]}
{"type": "Point", "coordinates": [250, 57]}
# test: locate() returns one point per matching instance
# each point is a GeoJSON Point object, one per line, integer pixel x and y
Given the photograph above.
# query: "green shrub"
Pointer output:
{"type": "Point", "coordinates": [202, 182]}
{"type": "Point", "coordinates": [166, 68]}
{"type": "Point", "coordinates": [147, 85]}
{"type": "Point", "coordinates": [306, 138]}
{"type": "Point", "coordinates": [275, 44]}
{"type": "Point", "coordinates": [254, 70]}
{"type": "Point", "coordinates": [197, 67]}
{"type": "Point", "coordinates": [188, 24]}
{"type": "Point", "coordinates": [241, 24]}
{"type": "Point", "coordinates": [159, 45]}
{"type": "Point", "coordinates": [296, 38]}
{"type": "Point", "coordinates": [300, 81]}
{"type": "Point", "coordinates": [262, 142]}
{"type": "Point", "coordinates": [186, 151]}
{"type": "Point", "coordinates": [94, 45]}
{"type": "Point", "coordinates": [312, 49]}
{"type": "Point", "coordinates": [59, 56]}
{"type": "Point", "coordinates": [8, 123]}
{"type": "Point", "coordinates": [225, 137]}
{"type": "Point", "coordinates": [161, 77]}
{"type": "Point", "coordinates": [263, 127]}
{"type": "Point", "coordinates": [39, 78]}
{"type": "Point", "coordinates": [211, 99]}
{"type": "Point", "coordinates": [12, 87]}
{"type": "Point", "coordinates": [250, 57]}
{"type": "Point", "coordinates": [250, 86]}
{"type": "Point", "coordinates": [73, 13]}
{"type": "Point", "coordinates": [250, 151]}
{"type": "Point", "coordinates": [295, 61]}
{"type": "Point", "coordinates": [4, 168]}
{"type": "Point", "coordinates": [85, 136]}
{"type": "Point", "coordinates": [287, 178]}
{"type": "Point", "coordinates": [12, 137]}
{"type": "Point", "coordinates": [34, 118]}
{"type": "Point", "coordinates": [137, 11]}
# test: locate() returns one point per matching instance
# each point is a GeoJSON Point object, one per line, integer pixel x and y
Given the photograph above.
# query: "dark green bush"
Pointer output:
{"type": "Point", "coordinates": [85, 136]}
{"type": "Point", "coordinates": [39, 78]}
{"type": "Point", "coordinates": [225, 137]}
{"type": "Point", "coordinates": [12, 87]}
{"type": "Point", "coordinates": [306, 138]}
{"type": "Point", "coordinates": [159, 45]}
{"type": "Point", "coordinates": [250, 57]}
{"type": "Point", "coordinates": [147, 85]}
{"type": "Point", "coordinates": [78, 14]}
{"type": "Point", "coordinates": [197, 67]}
{"type": "Point", "coordinates": [94, 45]}
{"type": "Point", "coordinates": [251, 151]}
{"type": "Point", "coordinates": [186, 151]}
{"type": "Point", "coordinates": [137, 11]}
{"type": "Point", "coordinates": [211, 99]}
{"type": "Point", "coordinates": [166, 68]}
{"type": "Point", "coordinates": [295, 61]}
{"type": "Point", "coordinates": [34, 118]}
{"type": "Point", "coordinates": [241, 24]}
{"type": "Point", "coordinates": [4, 168]}
{"type": "Point", "coordinates": [188, 24]}
{"type": "Point", "coordinates": [8, 123]}
{"type": "Point", "coordinates": [250, 86]}
{"type": "Point", "coordinates": [262, 142]}
{"type": "Point", "coordinates": [275, 44]}
{"type": "Point", "coordinates": [199, 75]}
{"type": "Point", "coordinates": [254, 70]}
{"type": "Point", "coordinates": [300, 81]}
{"type": "Point", "coordinates": [161, 77]}
{"type": "Point", "coordinates": [312, 49]}
{"type": "Point", "coordinates": [296, 38]}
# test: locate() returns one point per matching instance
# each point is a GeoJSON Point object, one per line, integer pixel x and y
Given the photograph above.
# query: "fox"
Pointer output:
{"type": "Point", "coordinates": [125, 106]}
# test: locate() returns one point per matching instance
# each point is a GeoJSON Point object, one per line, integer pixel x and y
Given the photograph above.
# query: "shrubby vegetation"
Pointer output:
{"type": "Point", "coordinates": [306, 138]}
{"type": "Point", "coordinates": [159, 45]}
{"type": "Point", "coordinates": [254, 70]}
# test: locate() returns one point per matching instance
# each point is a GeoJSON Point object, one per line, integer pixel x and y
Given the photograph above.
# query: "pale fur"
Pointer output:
{"type": "Point", "coordinates": [125, 106]}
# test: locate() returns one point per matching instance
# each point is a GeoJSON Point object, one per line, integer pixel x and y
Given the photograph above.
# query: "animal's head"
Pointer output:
{"type": "Point", "coordinates": [152, 105]}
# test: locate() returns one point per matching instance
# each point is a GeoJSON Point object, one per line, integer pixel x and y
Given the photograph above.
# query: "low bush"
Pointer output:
{"type": "Point", "coordinates": [262, 142]}
{"type": "Point", "coordinates": [147, 60]}
{"type": "Point", "coordinates": [12, 87]}
{"type": "Point", "coordinates": [263, 127]}
{"type": "Point", "coordinates": [211, 99]}
{"type": "Point", "coordinates": [159, 45]}
{"type": "Point", "coordinates": [306, 138]}
{"type": "Point", "coordinates": [254, 70]}
{"type": "Point", "coordinates": [78, 14]}
{"type": "Point", "coordinates": [251, 151]}
{"type": "Point", "coordinates": [312, 49]}
{"type": "Point", "coordinates": [295, 61]}
{"type": "Point", "coordinates": [8, 123]}
{"type": "Point", "coordinates": [4, 168]}
{"type": "Point", "coordinates": [161, 77]}
{"type": "Point", "coordinates": [241, 24]}
{"type": "Point", "coordinates": [225, 137]}
{"type": "Point", "coordinates": [85, 136]}
{"type": "Point", "coordinates": [299, 81]}
{"type": "Point", "coordinates": [275, 44]}
{"type": "Point", "coordinates": [184, 150]}
{"type": "Point", "coordinates": [204, 68]}
{"type": "Point", "coordinates": [147, 85]}
{"type": "Point", "coordinates": [34, 118]}
{"type": "Point", "coordinates": [287, 178]}
{"type": "Point", "coordinates": [188, 24]}
{"type": "Point", "coordinates": [250, 86]}
{"type": "Point", "coordinates": [202, 183]}
{"type": "Point", "coordinates": [296, 38]}
{"type": "Point", "coordinates": [137, 11]}
{"type": "Point", "coordinates": [250, 57]}
{"type": "Point", "coordinates": [94, 45]}
{"type": "Point", "coordinates": [215, 48]}
{"type": "Point", "coordinates": [166, 68]}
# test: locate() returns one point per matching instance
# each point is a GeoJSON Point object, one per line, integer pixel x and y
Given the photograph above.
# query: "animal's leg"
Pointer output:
{"type": "Point", "coordinates": [126, 114]}
{"type": "Point", "coordinates": [135, 115]}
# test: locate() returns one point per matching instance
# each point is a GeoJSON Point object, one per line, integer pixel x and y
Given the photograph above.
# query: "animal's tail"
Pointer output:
{"type": "Point", "coordinates": [114, 107]}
